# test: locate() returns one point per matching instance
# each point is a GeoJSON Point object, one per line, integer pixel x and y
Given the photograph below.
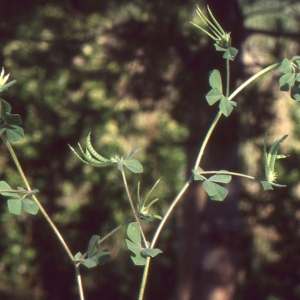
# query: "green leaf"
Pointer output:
{"type": "Point", "coordinates": [134, 165]}
{"type": "Point", "coordinates": [198, 176]}
{"type": "Point", "coordinates": [133, 232]}
{"type": "Point", "coordinates": [13, 119]}
{"type": "Point", "coordinates": [132, 153]}
{"type": "Point", "coordinates": [90, 262]}
{"type": "Point", "coordinates": [222, 178]}
{"type": "Point", "coordinates": [150, 252]}
{"type": "Point", "coordinates": [215, 80]}
{"type": "Point", "coordinates": [93, 247]}
{"type": "Point", "coordinates": [213, 96]}
{"type": "Point", "coordinates": [5, 186]}
{"type": "Point", "coordinates": [215, 191]}
{"type": "Point", "coordinates": [285, 66]}
{"type": "Point", "coordinates": [14, 133]}
{"type": "Point", "coordinates": [273, 153]}
{"type": "Point", "coordinates": [225, 106]}
{"type": "Point", "coordinates": [266, 185]}
{"type": "Point", "coordinates": [295, 93]}
{"type": "Point", "coordinates": [78, 256]}
{"type": "Point", "coordinates": [99, 258]}
{"type": "Point", "coordinates": [138, 259]}
{"type": "Point", "coordinates": [146, 217]}
{"type": "Point", "coordinates": [103, 257]}
{"type": "Point", "coordinates": [30, 206]}
{"type": "Point", "coordinates": [230, 53]}
{"type": "Point", "coordinates": [15, 206]}
{"type": "Point", "coordinates": [7, 85]}
{"type": "Point", "coordinates": [285, 81]}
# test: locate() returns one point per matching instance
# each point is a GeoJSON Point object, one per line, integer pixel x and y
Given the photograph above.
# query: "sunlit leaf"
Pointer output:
{"type": "Point", "coordinates": [30, 206]}
{"type": "Point", "coordinates": [221, 178]}
{"type": "Point", "coordinates": [266, 185]}
{"type": "Point", "coordinates": [230, 53]}
{"type": "Point", "coordinates": [215, 80]}
{"type": "Point", "coordinates": [213, 96]}
{"type": "Point", "coordinates": [134, 233]}
{"type": "Point", "coordinates": [134, 165]}
{"type": "Point", "coordinates": [285, 66]}
{"type": "Point", "coordinates": [15, 206]}
{"type": "Point", "coordinates": [215, 191]}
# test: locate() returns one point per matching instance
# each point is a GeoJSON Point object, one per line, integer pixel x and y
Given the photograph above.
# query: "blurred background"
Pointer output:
{"type": "Point", "coordinates": [135, 74]}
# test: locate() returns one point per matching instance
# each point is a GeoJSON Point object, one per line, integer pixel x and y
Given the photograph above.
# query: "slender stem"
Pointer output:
{"type": "Point", "coordinates": [116, 229]}
{"type": "Point", "coordinates": [16, 161]}
{"type": "Point", "coordinates": [157, 232]}
{"type": "Point", "coordinates": [206, 139]}
{"type": "Point", "coordinates": [144, 279]}
{"type": "Point", "coordinates": [133, 208]}
{"type": "Point", "coordinates": [227, 77]}
{"type": "Point", "coordinates": [227, 173]}
{"type": "Point", "coordinates": [54, 228]}
{"type": "Point", "coordinates": [170, 209]}
{"type": "Point", "coordinates": [79, 282]}
{"type": "Point", "coordinates": [252, 78]}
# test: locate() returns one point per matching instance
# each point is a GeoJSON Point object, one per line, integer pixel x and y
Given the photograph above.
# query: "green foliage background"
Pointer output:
{"type": "Point", "coordinates": [126, 71]}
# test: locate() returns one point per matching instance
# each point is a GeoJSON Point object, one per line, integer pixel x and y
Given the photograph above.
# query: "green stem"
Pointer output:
{"type": "Point", "coordinates": [227, 77]}
{"type": "Point", "coordinates": [227, 173]}
{"type": "Point", "coordinates": [157, 232]}
{"type": "Point", "coordinates": [144, 279]}
{"type": "Point", "coordinates": [170, 209]}
{"type": "Point", "coordinates": [79, 282]}
{"type": "Point", "coordinates": [133, 208]}
{"type": "Point", "coordinates": [16, 161]}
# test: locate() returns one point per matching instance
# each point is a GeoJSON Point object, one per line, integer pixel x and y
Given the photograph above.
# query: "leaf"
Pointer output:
{"type": "Point", "coordinates": [285, 81]}
{"type": "Point", "coordinates": [99, 258]}
{"type": "Point", "coordinates": [5, 186]}
{"type": "Point", "coordinates": [15, 206]}
{"type": "Point", "coordinates": [273, 153]}
{"type": "Point", "coordinates": [213, 96]}
{"type": "Point", "coordinates": [150, 252]}
{"type": "Point", "coordinates": [215, 80]}
{"type": "Point", "coordinates": [7, 85]}
{"type": "Point", "coordinates": [14, 133]}
{"type": "Point", "coordinates": [13, 119]}
{"type": "Point", "coordinates": [285, 66]}
{"type": "Point", "coordinates": [30, 206]}
{"type": "Point", "coordinates": [266, 185]}
{"type": "Point", "coordinates": [93, 247]}
{"type": "Point", "coordinates": [133, 232]}
{"type": "Point", "coordinates": [134, 165]}
{"type": "Point", "coordinates": [90, 262]}
{"type": "Point", "coordinates": [132, 153]}
{"type": "Point", "coordinates": [222, 178]}
{"type": "Point", "coordinates": [78, 256]}
{"type": "Point", "coordinates": [295, 93]}
{"type": "Point", "coordinates": [215, 191]}
{"type": "Point", "coordinates": [146, 217]}
{"type": "Point", "coordinates": [138, 259]}
{"type": "Point", "coordinates": [225, 106]}
{"type": "Point", "coordinates": [230, 53]}
{"type": "Point", "coordinates": [198, 176]}
{"type": "Point", "coordinates": [103, 257]}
